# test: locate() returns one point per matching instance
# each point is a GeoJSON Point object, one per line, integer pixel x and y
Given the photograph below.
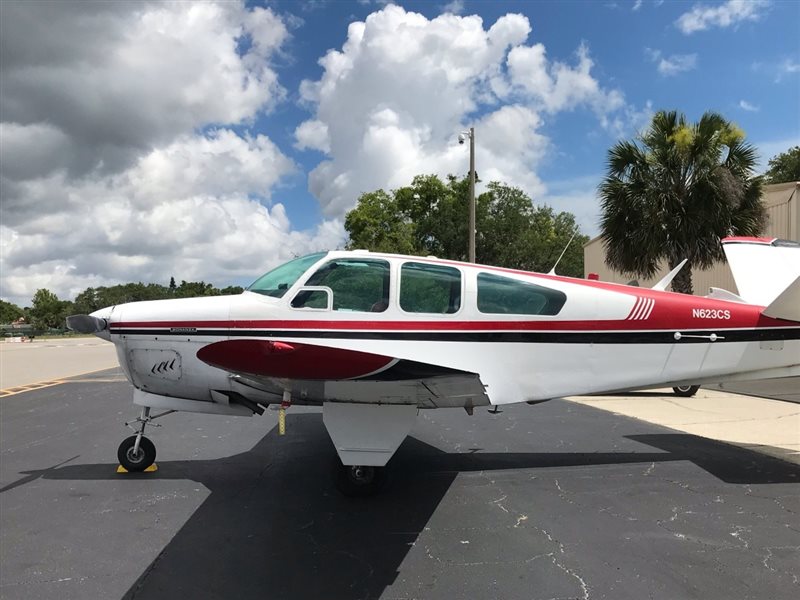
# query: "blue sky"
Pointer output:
{"type": "Point", "coordinates": [749, 71]}
{"type": "Point", "coordinates": [215, 140]}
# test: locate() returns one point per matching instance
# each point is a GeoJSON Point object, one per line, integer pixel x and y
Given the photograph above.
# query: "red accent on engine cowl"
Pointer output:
{"type": "Point", "coordinates": [291, 361]}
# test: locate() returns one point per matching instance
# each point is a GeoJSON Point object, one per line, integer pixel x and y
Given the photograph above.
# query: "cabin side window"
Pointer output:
{"type": "Point", "coordinates": [356, 285]}
{"type": "Point", "coordinates": [428, 288]}
{"type": "Point", "coordinates": [502, 295]}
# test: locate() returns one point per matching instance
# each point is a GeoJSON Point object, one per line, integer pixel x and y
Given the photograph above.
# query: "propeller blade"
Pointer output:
{"type": "Point", "coordinates": [86, 324]}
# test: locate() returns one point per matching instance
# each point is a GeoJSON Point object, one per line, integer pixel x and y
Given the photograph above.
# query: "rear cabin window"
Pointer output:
{"type": "Point", "coordinates": [501, 295]}
{"type": "Point", "coordinates": [356, 284]}
{"type": "Point", "coordinates": [428, 288]}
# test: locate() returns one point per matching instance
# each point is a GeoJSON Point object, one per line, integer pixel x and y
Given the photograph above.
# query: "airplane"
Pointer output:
{"type": "Point", "coordinates": [373, 338]}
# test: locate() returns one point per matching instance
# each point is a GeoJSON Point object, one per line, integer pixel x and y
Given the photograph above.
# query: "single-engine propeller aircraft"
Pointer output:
{"type": "Point", "coordinates": [373, 338]}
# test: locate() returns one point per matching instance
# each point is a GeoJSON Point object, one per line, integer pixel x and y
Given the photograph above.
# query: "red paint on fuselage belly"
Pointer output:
{"type": "Point", "coordinates": [259, 357]}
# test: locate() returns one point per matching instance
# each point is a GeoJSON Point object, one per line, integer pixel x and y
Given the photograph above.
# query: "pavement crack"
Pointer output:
{"type": "Point", "coordinates": [769, 556]}
{"type": "Point", "coordinates": [554, 557]}
{"type": "Point", "coordinates": [562, 493]}
{"type": "Point", "coordinates": [498, 503]}
{"type": "Point", "coordinates": [737, 533]}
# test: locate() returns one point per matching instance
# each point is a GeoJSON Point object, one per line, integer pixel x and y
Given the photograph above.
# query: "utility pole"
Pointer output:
{"type": "Point", "coordinates": [461, 137]}
{"type": "Point", "coordinates": [472, 194]}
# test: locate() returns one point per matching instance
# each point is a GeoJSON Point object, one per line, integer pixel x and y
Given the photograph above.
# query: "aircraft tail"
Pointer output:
{"type": "Point", "coordinates": [765, 270]}
{"type": "Point", "coordinates": [787, 304]}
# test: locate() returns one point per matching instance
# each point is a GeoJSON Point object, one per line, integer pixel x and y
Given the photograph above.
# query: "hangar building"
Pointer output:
{"type": "Point", "coordinates": [781, 201]}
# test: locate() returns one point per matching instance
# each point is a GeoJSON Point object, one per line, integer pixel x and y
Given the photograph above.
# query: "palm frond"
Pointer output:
{"type": "Point", "coordinates": [678, 191]}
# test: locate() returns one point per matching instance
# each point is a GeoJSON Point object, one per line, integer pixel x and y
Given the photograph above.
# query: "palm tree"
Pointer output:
{"type": "Point", "coordinates": [675, 192]}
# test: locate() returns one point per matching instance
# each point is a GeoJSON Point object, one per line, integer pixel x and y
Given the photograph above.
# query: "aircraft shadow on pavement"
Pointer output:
{"type": "Point", "coordinates": [274, 526]}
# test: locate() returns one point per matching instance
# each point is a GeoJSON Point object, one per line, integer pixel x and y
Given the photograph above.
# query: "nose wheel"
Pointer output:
{"type": "Point", "coordinates": [136, 459]}
{"type": "Point", "coordinates": [136, 453]}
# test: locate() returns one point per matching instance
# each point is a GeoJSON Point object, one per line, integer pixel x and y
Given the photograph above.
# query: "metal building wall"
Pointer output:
{"type": "Point", "coordinates": [783, 214]}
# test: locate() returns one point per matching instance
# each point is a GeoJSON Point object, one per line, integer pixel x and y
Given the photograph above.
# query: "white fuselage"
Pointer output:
{"type": "Point", "coordinates": [606, 337]}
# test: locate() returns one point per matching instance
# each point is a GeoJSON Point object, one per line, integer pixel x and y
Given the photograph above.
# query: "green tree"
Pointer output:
{"type": "Point", "coordinates": [231, 290]}
{"type": "Point", "coordinates": [47, 311]}
{"type": "Point", "coordinates": [128, 292]}
{"type": "Point", "coordinates": [87, 302]}
{"type": "Point", "coordinates": [784, 167]}
{"type": "Point", "coordinates": [193, 289]}
{"type": "Point", "coordinates": [379, 225]}
{"type": "Point", "coordinates": [430, 217]}
{"type": "Point", "coordinates": [9, 312]}
{"type": "Point", "coordinates": [675, 192]}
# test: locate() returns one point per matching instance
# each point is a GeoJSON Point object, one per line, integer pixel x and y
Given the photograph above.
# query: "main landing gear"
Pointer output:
{"type": "Point", "coordinates": [686, 391]}
{"type": "Point", "coordinates": [358, 480]}
{"type": "Point", "coordinates": [136, 453]}
{"type": "Point", "coordinates": [365, 437]}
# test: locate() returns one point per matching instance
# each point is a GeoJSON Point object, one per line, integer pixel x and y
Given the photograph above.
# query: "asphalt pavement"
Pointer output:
{"type": "Point", "coordinates": [43, 361]}
{"type": "Point", "coordinates": [558, 500]}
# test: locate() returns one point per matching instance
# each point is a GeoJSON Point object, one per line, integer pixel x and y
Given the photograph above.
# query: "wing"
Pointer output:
{"type": "Point", "coordinates": [325, 373]}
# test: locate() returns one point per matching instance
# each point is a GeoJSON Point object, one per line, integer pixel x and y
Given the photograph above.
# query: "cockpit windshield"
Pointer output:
{"type": "Point", "coordinates": [280, 279]}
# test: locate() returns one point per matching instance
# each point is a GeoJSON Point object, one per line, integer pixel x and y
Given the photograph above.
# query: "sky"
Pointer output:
{"type": "Point", "coordinates": [215, 140]}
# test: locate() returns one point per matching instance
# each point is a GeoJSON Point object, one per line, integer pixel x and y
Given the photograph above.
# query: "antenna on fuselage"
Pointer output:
{"type": "Point", "coordinates": [662, 285]}
{"type": "Point", "coordinates": [553, 270]}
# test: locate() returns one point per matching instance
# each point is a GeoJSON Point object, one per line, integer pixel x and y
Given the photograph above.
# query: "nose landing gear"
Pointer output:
{"type": "Point", "coordinates": [136, 453]}
{"type": "Point", "coordinates": [136, 459]}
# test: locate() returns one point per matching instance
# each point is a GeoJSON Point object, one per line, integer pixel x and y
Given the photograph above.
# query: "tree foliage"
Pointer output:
{"type": "Point", "coordinates": [92, 299]}
{"type": "Point", "coordinates": [784, 167]}
{"type": "Point", "coordinates": [9, 312]}
{"type": "Point", "coordinates": [674, 192]}
{"type": "Point", "coordinates": [47, 311]}
{"type": "Point", "coordinates": [431, 217]}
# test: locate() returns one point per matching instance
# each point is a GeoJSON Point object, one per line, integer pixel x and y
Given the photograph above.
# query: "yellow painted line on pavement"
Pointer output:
{"type": "Point", "coordinates": [119, 379]}
{"type": "Point", "coordinates": [29, 387]}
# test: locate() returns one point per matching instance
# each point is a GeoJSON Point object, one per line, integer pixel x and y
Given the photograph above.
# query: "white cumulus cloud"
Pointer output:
{"type": "Point", "coordinates": [402, 86]}
{"type": "Point", "coordinates": [193, 209]}
{"type": "Point", "coordinates": [121, 161]}
{"type": "Point", "coordinates": [727, 14]}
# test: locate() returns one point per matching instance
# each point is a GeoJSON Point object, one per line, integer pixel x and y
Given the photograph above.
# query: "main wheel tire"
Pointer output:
{"type": "Point", "coordinates": [686, 391]}
{"type": "Point", "coordinates": [359, 481]}
{"type": "Point", "coordinates": [136, 463]}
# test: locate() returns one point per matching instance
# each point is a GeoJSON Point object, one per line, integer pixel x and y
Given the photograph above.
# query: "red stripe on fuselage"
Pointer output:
{"type": "Point", "coordinates": [670, 311]}
{"type": "Point", "coordinates": [747, 240]}
{"type": "Point", "coordinates": [676, 316]}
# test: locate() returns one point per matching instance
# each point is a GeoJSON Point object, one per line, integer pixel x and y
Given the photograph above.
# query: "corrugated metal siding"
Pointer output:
{"type": "Point", "coordinates": [784, 222]}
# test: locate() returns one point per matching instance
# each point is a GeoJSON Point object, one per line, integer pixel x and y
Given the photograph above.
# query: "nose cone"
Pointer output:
{"type": "Point", "coordinates": [88, 324]}
{"type": "Point", "coordinates": [103, 313]}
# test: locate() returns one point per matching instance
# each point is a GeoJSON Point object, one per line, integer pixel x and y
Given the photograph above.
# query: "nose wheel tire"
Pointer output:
{"type": "Point", "coordinates": [359, 481]}
{"type": "Point", "coordinates": [136, 462]}
{"type": "Point", "coordinates": [686, 391]}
